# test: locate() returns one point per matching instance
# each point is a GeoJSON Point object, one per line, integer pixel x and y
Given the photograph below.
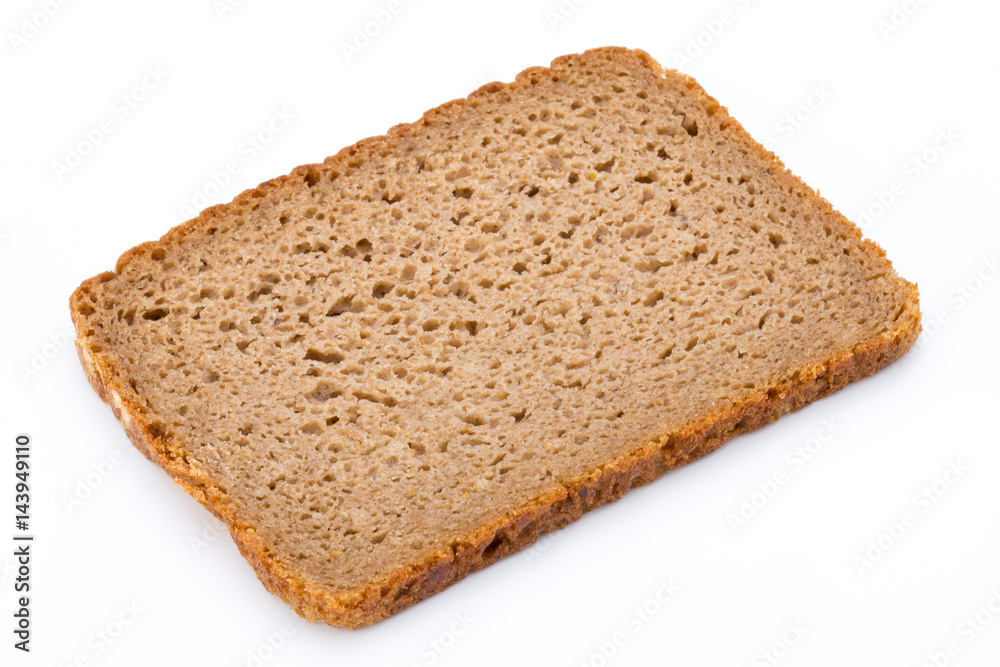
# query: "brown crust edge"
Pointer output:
{"type": "Point", "coordinates": [519, 528]}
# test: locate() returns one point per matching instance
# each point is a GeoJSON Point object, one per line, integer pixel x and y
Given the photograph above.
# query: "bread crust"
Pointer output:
{"type": "Point", "coordinates": [521, 527]}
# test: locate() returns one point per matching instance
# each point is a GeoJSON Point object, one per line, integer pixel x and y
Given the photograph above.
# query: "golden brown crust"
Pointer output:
{"type": "Point", "coordinates": [520, 528]}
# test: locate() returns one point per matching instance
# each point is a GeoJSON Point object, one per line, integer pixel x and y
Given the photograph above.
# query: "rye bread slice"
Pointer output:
{"type": "Point", "coordinates": [389, 370]}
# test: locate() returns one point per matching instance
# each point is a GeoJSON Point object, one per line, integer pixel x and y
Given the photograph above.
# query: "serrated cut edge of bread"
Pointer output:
{"type": "Point", "coordinates": [520, 528]}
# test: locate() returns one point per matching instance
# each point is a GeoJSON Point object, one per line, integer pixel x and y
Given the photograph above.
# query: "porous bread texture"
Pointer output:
{"type": "Point", "coordinates": [388, 370]}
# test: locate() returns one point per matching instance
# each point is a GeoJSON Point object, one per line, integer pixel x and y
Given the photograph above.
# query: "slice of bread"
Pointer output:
{"type": "Point", "coordinates": [389, 370]}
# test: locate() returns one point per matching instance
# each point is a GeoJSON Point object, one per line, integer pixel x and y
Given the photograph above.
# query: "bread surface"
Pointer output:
{"type": "Point", "coordinates": [388, 370]}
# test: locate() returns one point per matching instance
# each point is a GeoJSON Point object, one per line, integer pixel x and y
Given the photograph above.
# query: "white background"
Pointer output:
{"type": "Point", "coordinates": [881, 96]}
